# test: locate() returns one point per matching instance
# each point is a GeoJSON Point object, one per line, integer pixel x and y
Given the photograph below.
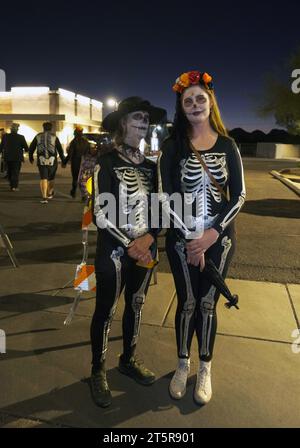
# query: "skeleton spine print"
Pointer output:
{"type": "Point", "coordinates": [199, 189]}
{"type": "Point", "coordinates": [205, 206]}
{"type": "Point", "coordinates": [131, 187]}
{"type": "Point", "coordinates": [134, 190]}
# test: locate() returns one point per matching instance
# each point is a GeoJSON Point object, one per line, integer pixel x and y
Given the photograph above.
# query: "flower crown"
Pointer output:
{"type": "Point", "coordinates": [192, 78]}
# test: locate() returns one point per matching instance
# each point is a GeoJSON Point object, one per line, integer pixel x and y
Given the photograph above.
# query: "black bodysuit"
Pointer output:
{"type": "Point", "coordinates": [130, 185]}
{"type": "Point", "coordinates": [184, 174]}
{"type": "Point", "coordinates": [180, 171]}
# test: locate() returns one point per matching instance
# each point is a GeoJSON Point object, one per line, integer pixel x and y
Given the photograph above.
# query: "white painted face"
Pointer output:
{"type": "Point", "coordinates": [196, 105]}
{"type": "Point", "coordinates": [137, 125]}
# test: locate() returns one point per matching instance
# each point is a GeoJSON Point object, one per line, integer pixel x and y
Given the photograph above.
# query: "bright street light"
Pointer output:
{"type": "Point", "coordinates": [112, 102]}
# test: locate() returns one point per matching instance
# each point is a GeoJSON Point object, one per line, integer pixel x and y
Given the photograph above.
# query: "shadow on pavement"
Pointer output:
{"type": "Point", "coordinates": [30, 302]}
{"type": "Point", "coordinates": [34, 230]}
{"type": "Point", "coordinates": [15, 354]}
{"type": "Point", "coordinates": [73, 405]}
{"type": "Point", "coordinates": [279, 208]}
{"type": "Point", "coordinates": [41, 330]}
{"type": "Point", "coordinates": [70, 253]}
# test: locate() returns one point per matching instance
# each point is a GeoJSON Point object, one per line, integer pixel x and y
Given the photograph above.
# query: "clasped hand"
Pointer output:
{"type": "Point", "coordinates": [139, 248]}
{"type": "Point", "coordinates": [197, 247]}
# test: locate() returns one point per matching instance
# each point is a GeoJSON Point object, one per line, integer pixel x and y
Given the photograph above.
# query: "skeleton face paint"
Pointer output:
{"type": "Point", "coordinates": [136, 126]}
{"type": "Point", "coordinates": [196, 104]}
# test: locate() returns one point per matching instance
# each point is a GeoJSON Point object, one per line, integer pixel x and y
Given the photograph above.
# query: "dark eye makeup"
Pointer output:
{"type": "Point", "coordinates": [199, 99]}
{"type": "Point", "coordinates": [139, 116]}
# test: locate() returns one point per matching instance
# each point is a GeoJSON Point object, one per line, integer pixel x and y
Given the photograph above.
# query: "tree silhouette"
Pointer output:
{"type": "Point", "coordinates": [279, 99]}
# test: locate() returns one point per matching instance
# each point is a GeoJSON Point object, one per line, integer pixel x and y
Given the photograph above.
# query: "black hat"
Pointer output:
{"type": "Point", "coordinates": [132, 104]}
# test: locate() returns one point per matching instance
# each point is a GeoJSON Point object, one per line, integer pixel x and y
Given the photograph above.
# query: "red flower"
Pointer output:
{"type": "Point", "coordinates": [194, 77]}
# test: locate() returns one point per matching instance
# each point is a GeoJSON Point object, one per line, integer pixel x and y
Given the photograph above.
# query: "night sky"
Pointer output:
{"type": "Point", "coordinates": [119, 49]}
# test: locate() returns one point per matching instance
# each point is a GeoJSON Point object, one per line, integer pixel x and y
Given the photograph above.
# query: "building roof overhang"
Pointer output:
{"type": "Point", "coordinates": [49, 117]}
{"type": "Point", "coordinates": [33, 117]}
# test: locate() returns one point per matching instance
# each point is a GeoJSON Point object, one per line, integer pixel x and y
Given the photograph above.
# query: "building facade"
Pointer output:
{"type": "Point", "coordinates": [32, 106]}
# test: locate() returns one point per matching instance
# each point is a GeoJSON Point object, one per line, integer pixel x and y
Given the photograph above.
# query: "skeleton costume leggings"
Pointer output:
{"type": "Point", "coordinates": [196, 295]}
{"type": "Point", "coordinates": [197, 298]}
{"type": "Point", "coordinates": [113, 269]}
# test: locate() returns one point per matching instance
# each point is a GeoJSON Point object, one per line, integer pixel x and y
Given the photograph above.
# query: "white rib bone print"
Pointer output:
{"type": "Point", "coordinates": [197, 186]}
{"type": "Point", "coordinates": [135, 186]}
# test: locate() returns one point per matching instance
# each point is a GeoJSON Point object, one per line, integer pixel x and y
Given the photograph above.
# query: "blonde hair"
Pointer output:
{"type": "Point", "coordinates": [215, 118]}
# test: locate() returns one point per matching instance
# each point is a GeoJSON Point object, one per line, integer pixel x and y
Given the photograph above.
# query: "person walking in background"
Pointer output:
{"type": "Point", "coordinates": [3, 164]}
{"type": "Point", "coordinates": [12, 147]}
{"type": "Point", "coordinates": [78, 147]}
{"type": "Point", "coordinates": [48, 146]}
{"type": "Point", "coordinates": [88, 162]}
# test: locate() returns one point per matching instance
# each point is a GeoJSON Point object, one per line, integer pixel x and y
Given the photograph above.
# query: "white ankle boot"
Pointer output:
{"type": "Point", "coordinates": [203, 390]}
{"type": "Point", "coordinates": [177, 386]}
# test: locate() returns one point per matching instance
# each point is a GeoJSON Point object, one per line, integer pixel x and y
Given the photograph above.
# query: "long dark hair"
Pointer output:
{"type": "Point", "coordinates": [117, 138]}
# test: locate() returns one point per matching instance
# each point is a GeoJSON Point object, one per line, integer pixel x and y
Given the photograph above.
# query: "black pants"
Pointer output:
{"type": "Point", "coordinates": [75, 168]}
{"type": "Point", "coordinates": [114, 271]}
{"type": "Point", "coordinates": [48, 172]}
{"type": "Point", "coordinates": [197, 297]}
{"type": "Point", "coordinates": [13, 172]}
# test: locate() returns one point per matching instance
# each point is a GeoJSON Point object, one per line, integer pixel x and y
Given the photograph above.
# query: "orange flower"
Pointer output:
{"type": "Point", "coordinates": [192, 78]}
{"type": "Point", "coordinates": [177, 88]}
{"type": "Point", "coordinates": [206, 78]}
{"type": "Point", "coordinates": [184, 79]}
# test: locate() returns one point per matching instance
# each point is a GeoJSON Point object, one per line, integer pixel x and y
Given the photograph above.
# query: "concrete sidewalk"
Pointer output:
{"type": "Point", "coordinates": [289, 177]}
{"type": "Point", "coordinates": [44, 372]}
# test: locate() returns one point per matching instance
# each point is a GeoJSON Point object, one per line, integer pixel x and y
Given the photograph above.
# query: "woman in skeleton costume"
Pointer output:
{"type": "Point", "coordinates": [206, 225]}
{"type": "Point", "coordinates": [126, 242]}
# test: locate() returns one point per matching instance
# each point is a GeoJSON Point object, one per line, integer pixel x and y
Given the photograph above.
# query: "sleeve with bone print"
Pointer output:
{"type": "Point", "coordinates": [155, 219]}
{"type": "Point", "coordinates": [102, 183]}
{"type": "Point", "coordinates": [166, 170]}
{"type": "Point", "coordinates": [237, 190]}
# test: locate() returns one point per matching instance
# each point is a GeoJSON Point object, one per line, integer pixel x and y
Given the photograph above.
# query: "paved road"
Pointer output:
{"type": "Point", "coordinates": [268, 226]}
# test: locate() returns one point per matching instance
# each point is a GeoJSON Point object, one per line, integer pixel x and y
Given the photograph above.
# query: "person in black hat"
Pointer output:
{"type": "Point", "coordinates": [126, 246]}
